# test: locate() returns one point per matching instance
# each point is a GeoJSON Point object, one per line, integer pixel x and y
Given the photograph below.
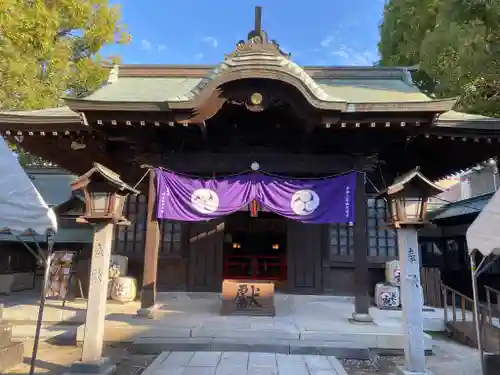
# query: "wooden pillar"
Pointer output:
{"type": "Point", "coordinates": [98, 292]}
{"type": "Point", "coordinates": [152, 242]}
{"type": "Point", "coordinates": [361, 275]}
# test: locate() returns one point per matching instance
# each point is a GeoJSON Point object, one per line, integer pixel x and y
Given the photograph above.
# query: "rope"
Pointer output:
{"type": "Point", "coordinates": [142, 178]}
{"type": "Point", "coordinates": [259, 171]}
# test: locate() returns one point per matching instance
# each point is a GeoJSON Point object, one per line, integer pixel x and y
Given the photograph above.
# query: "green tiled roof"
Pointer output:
{"type": "Point", "coordinates": [464, 207]}
{"type": "Point", "coordinates": [372, 90]}
{"type": "Point", "coordinates": [142, 89]}
{"type": "Point", "coordinates": [160, 89]}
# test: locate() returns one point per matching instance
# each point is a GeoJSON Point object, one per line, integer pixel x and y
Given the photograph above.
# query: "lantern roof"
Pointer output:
{"type": "Point", "coordinates": [103, 173]}
{"type": "Point", "coordinates": [412, 184]}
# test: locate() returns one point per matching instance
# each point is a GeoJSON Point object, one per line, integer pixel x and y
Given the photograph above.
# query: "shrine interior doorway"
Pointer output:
{"type": "Point", "coordinates": [255, 248]}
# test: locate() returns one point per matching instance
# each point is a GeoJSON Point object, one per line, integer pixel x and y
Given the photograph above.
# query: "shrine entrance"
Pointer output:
{"type": "Point", "coordinates": [255, 247]}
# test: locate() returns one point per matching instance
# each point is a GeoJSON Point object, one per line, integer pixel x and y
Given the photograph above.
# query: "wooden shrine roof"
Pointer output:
{"type": "Point", "coordinates": [346, 117]}
{"type": "Point", "coordinates": [352, 89]}
{"type": "Point", "coordinates": [150, 83]}
{"type": "Point", "coordinates": [64, 119]}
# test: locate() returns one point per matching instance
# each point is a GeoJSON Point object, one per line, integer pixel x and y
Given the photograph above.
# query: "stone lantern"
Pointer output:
{"type": "Point", "coordinates": [407, 203]}
{"type": "Point", "coordinates": [104, 194]}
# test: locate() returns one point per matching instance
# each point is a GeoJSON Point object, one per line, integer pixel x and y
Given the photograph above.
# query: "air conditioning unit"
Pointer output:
{"type": "Point", "coordinates": [387, 296]}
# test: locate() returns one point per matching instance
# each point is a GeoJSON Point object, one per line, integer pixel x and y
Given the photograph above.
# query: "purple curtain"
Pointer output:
{"type": "Point", "coordinates": [317, 201]}
{"type": "Point", "coordinates": [189, 199]}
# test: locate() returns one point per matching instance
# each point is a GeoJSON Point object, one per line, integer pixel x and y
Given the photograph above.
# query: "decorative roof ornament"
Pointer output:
{"type": "Point", "coordinates": [113, 74]}
{"type": "Point", "coordinates": [258, 41]}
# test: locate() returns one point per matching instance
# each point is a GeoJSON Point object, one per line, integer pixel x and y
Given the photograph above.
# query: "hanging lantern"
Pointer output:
{"type": "Point", "coordinates": [407, 199]}
{"type": "Point", "coordinates": [254, 209]}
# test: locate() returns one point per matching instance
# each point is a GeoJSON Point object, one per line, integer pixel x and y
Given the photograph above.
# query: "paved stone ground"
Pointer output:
{"type": "Point", "coordinates": [234, 363]}
{"type": "Point", "coordinates": [449, 358]}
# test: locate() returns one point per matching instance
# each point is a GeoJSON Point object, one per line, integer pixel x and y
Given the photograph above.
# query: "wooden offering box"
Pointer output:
{"type": "Point", "coordinates": [247, 297]}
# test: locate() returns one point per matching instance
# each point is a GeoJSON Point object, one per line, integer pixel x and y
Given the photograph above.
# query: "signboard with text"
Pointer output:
{"type": "Point", "coordinates": [247, 297]}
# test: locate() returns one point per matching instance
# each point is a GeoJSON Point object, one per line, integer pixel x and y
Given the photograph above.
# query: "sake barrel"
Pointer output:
{"type": "Point", "coordinates": [124, 289]}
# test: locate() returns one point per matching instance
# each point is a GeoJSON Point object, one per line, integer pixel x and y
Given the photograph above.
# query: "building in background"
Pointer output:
{"type": "Point", "coordinates": [53, 185]}
{"type": "Point", "coordinates": [445, 245]}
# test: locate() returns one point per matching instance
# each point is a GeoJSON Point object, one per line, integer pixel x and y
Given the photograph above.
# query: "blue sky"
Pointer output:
{"type": "Point", "coordinates": [316, 32]}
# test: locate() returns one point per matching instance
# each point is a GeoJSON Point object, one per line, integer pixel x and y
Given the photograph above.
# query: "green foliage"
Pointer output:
{"type": "Point", "coordinates": [456, 43]}
{"type": "Point", "coordinates": [49, 48]}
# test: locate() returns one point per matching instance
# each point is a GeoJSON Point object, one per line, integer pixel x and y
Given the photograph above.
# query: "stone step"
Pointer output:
{"type": "Point", "coordinates": [57, 333]}
{"type": "Point", "coordinates": [11, 355]}
{"type": "Point", "coordinates": [381, 340]}
{"type": "Point", "coordinates": [156, 345]}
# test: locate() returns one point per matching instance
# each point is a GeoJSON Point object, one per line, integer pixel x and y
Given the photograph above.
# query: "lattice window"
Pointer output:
{"type": "Point", "coordinates": [381, 242]}
{"type": "Point", "coordinates": [171, 236]}
{"type": "Point", "coordinates": [130, 239]}
{"type": "Point", "coordinates": [341, 240]}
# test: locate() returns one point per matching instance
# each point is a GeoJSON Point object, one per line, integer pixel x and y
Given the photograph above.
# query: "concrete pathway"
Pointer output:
{"type": "Point", "coordinates": [237, 363]}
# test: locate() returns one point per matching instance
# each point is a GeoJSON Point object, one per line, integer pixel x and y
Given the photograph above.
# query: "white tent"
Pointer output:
{"type": "Point", "coordinates": [23, 211]}
{"type": "Point", "coordinates": [22, 208]}
{"type": "Point", "coordinates": [483, 234]}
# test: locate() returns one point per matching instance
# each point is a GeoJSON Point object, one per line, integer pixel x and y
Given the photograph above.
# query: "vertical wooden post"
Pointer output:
{"type": "Point", "coordinates": [152, 242]}
{"type": "Point", "coordinates": [361, 275]}
{"type": "Point", "coordinates": [98, 292]}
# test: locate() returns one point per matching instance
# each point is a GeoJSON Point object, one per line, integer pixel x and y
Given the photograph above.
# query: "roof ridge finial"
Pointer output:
{"type": "Point", "coordinates": [258, 19]}
{"type": "Point", "coordinates": [257, 31]}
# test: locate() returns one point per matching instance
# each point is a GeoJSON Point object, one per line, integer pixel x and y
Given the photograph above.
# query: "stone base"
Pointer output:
{"type": "Point", "coordinates": [100, 367]}
{"type": "Point", "coordinates": [148, 312]}
{"type": "Point", "coordinates": [10, 355]}
{"type": "Point", "coordinates": [491, 364]}
{"type": "Point", "coordinates": [361, 318]}
{"type": "Point", "coordinates": [402, 371]}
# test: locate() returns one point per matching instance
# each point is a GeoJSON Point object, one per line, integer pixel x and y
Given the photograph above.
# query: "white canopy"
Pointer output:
{"type": "Point", "coordinates": [483, 234]}
{"type": "Point", "coordinates": [22, 208]}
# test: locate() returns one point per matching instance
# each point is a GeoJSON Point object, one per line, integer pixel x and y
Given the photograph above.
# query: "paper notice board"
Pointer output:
{"type": "Point", "coordinates": [59, 275]}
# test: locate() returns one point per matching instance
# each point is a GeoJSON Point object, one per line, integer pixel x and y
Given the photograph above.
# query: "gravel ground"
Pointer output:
{"type": "Point", "coordinates": [449, 358]}
{"type": "Point", "coordinates": [55, 359]}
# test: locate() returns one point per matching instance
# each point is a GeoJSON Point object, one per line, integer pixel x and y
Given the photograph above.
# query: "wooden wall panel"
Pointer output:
{"type": "Point", "coordinates": [172, 253]}
{"type": "Point", "coordinates": [206, 243]}
{"type": "Point", "coordinates": [305, 244]}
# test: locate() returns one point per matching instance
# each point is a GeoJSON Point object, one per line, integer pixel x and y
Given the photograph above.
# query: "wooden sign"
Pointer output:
{"type": "Point", "coordinates": [59, 275]}
{"type": "Point", "coordinates": [247, 297]}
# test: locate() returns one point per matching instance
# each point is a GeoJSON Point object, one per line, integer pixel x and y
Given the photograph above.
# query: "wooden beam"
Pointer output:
{"type": "Point", "coordinates": [148, 294]}
{"type": "Point", "coordinates": [361, 297]}
{"type": "Point", "coordinates": [274, 163]}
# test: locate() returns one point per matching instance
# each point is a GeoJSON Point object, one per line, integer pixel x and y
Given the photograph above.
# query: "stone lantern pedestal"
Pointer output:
{"type": "Point", "coordinates": [105, 195]}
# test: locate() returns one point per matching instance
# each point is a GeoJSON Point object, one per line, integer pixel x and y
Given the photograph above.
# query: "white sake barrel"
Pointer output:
{"type": "Point", "coordinates": [124, 289]}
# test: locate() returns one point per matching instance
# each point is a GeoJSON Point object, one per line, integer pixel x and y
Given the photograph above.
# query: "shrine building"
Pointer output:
{"type": "Point", "coordinates": [258, 106]}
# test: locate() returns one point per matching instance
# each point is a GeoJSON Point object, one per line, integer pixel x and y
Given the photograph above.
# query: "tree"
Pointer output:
{"type": "Point", "coordinates": [50, 48]}
{"type": "Point", "coordinates": [456, 43]}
